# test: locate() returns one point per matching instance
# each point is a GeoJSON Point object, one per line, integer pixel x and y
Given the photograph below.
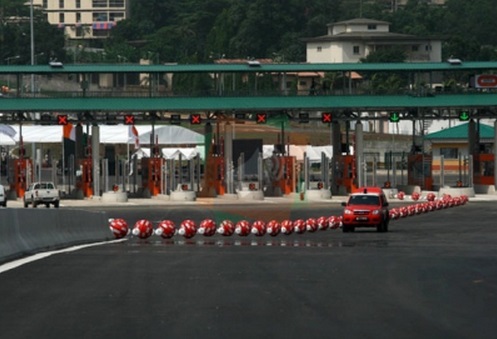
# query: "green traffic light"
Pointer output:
{"type": "Point", "coordinates": [464, 116]}
{"type": "Point", "coordinates": [394, 117]}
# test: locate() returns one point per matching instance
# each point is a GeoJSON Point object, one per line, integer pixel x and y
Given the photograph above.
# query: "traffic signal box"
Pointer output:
{"type": "Point", "coordinates": [62, 120]}
{"type": "Point", "coordinates": [261, 118]}
{"type": "Point", "coordinates": [394, 117]}
{"type": "Point", "coordinates": [129, 119]}
{"type": "Point", "coordinates": [326, 118]}
{"type": "Point", "coordinates": [195, 119]}
{"type": "Point", "coordinates": [464, 116]}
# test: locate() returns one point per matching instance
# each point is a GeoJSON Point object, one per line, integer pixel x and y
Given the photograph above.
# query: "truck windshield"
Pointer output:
{"type": "Point", "coordinates": [364, 200]}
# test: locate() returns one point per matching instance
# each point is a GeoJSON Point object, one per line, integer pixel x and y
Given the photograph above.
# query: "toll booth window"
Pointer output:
{"type": "Point", "coordinates": [449, 152]}
{"type": "Point", "coordinates": [488, 168]}
{"type": "Point", "coordinates": [364, 200]}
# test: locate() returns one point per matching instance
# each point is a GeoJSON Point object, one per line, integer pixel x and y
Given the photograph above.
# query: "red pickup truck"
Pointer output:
{"type": "Point", "coordinates": [366, 207]}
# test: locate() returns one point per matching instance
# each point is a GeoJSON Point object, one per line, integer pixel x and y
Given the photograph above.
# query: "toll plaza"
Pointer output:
{"type": "Point", "coordinates": [225, 170]}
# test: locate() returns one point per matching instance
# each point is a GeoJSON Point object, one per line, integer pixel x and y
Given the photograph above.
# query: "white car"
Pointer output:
{"type": "Point", "coordinates": [42, 193]}
{"type": "Point", "coordinates": [3, 197]}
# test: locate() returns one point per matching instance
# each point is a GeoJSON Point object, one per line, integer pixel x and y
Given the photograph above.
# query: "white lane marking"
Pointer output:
{"type": "Point", "coordinates": [16, 263]}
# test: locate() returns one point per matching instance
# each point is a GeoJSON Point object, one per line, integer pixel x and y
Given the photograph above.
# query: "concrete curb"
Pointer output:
{"type": "Point", "coordinates": [28, 231]}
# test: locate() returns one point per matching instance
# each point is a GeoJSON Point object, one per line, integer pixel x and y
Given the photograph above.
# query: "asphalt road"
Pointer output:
{"type": "Point", "coordinates": [432, 276]}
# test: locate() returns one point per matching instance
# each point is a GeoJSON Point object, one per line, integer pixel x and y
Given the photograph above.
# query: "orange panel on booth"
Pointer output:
{"type": "Point", "coordinates": [215, 175]}
{"type": "Point", "coordinates": [485, 173]}
{"type": "Point", "coordinates": [347, 173]}
{"type": "Point", "coordinates": [285, 176]}
{"type": "Point", "coordinates": [85, 181]}
{"type": "Point", "coordinates": [419, 171]}
{"type": "Point", "coordinates": [21, 170]}
{"type": "Point", "coordinates": [152, 169]}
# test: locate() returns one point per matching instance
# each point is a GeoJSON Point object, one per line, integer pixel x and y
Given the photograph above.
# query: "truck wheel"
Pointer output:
{"type": "Point", "coordinates": [47, 205]}
{"type": "Point", "coordinates": [56, 204]}
{"type": "Point", "coordinates": [25, 204]}
{"type": "Point", "coordinates": [35, 204]}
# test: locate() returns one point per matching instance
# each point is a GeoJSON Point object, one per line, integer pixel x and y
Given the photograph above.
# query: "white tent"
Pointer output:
{"type": "Point", "coordinates": [187, 153]}
{"type": "Point", "coordinates": [111, 134]}
{"type": "Point", "coordinates": [5, 140]}
{"type": "Point", "coordinates": [312, 152]}
{"type": "Point", "coordinates": [172, 135]}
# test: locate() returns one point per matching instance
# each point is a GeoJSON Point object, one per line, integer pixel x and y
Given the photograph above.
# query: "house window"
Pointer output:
{"type": "Point", "coordinates": [449, 152]}
{"type": "Point", "coordinates": [356, 50]}
{"type": "Point", "coordinates": [319, 48]}
{"type": "Point", "coordinates": [116, 16]}
{"type": "Point", "coordinates": [78, 3]}
{"type": "Point", "coordinates": [99, 3]}
{"type": "Point", "coordinates": [414, 48]}
{"type": "Point", "coordinates": [45, 3]}
{"type": "Point", "coordinates": [61, 3]}
{"type": "Point", "coordinates": [116, 3]}
{"type": "Point", "coordinates": [99, 17]}
{"type": "Point", "coordinates": [78, 17]}
{"type": "Point", "coordinates": [428, 48]}
{"type": "Point", "coordinates": [61, 18]}
{"type": "Point", "coordinates": [371, 27]}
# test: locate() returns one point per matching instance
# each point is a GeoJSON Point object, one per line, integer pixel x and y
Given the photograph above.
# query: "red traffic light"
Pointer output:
{"type": "Point", "coordinates": [129, 119]}
{"type": "Point", "coordinates": [62, 119]}
{"type": "Point", "coordinates": [195, 119]}
{"type": "Point", "coordinates": [326, 117]}
{"type": "Point", "coordinates": [261, 118]}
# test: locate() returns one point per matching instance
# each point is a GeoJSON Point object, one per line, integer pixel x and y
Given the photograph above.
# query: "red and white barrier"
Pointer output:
{"type": "Point", "coordinates": [299, 226]}
{"type": "Point", "coordinates": [287, 227]}
{"type": "Point", "coordinates": [323, 223]}
{"type": "Point", "coordinates": [242, 228]}
{"type": "Point", "coordinates": [273, 228]}
{"type": "Point", "coordinates": [143, 229]}
{"type": "Point", "coordinates": [226, 228]}
{"type": "Point", "coordinates": [166, 229]}
{"type": "Point", "coordinates": [311, 225]}
{"type": "Point", "coordinates": [258, 228]}
{"type": "Point", "coordinates": [188, 229]}
{"type": "Point", "coordinates": [207, 227]}
{"type": "Point", "coordinates": [119, 227]}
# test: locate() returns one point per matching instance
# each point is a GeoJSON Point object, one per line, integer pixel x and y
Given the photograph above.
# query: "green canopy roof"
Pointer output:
{"type": "Point", "coordinates": [461, 132]}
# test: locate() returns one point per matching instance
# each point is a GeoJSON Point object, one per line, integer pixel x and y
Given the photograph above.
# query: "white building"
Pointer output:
{"type": "Point", "coordinates": [84, 19]}
{"type": "Point", "coordinates": [352, 40]}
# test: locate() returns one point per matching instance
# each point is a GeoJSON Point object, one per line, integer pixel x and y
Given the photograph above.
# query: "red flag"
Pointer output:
{"type": "Point", "coordinates": [133, 135]}
{"type": "Point", "coordinates": [69, 132]}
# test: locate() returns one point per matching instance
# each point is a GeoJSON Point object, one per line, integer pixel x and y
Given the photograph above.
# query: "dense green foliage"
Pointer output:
{"type": "Point", "coordinates": [194, 31]}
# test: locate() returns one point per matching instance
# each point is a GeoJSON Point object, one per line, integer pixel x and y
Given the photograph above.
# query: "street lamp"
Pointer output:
{"type": "Point", "coordinates": [8, 63]}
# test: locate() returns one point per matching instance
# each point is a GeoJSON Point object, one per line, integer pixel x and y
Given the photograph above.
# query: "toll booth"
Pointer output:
{"type": "Point", "coordinates": [285, 177]}
{"type": "Point", "coordinates": [152, 179]}
{"type": "Point", "coordinates": [346, 173]}
{"type": "Point", "coordinates": [84, 182]}
{"type": "Point", "coordinates": [485, 173]}
{"type": "Point", "coordinates": [21, 173]}
{"type": "Point", "coordinates": [419, 171]}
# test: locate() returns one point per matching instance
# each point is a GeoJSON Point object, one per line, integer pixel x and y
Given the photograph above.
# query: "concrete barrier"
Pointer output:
{"type": "Point", "coordinates": [317, 194]}
{"type": "Point", "coordinates": [485, 189]}
{"type": "Point", "coordinates": [409, 189]}
{"type": "Point", "coordinates": [28, 231]}
{"type": "Point", "coordinates": [457, 191]}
